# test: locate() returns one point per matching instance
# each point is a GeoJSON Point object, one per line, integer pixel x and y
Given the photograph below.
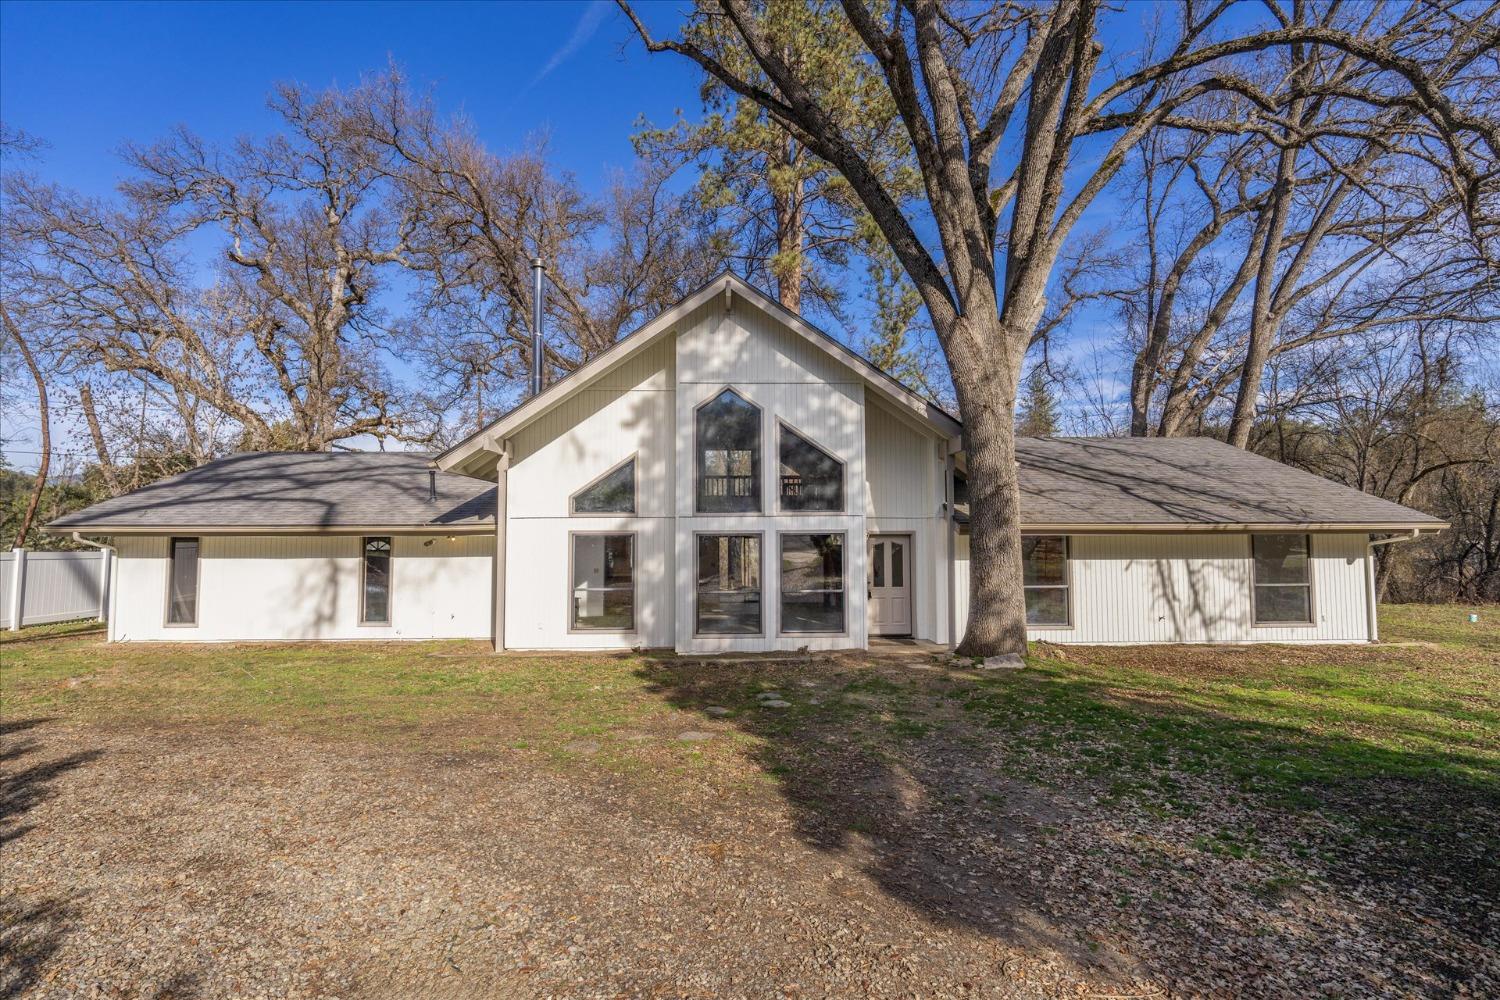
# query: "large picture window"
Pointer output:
{"type": "Point", "coordinates": [1283, 579]}
{"type": "Point", "coordinates": [812, 583]}
{"type": "Point", "coordinates": [728, 430]}
{"type": "Point", "coordinates": [729, 590]}
{"type": "Point", "coordinates": [811, 479]}
{"type": "Point", "coordinates": [182, 582]}
{"type": "Point", "coordinates": [611, 493]}
{"type": "Point", "coordinates": [603, 583]}
{"type": "Point", "coordinates": [1044, 575]}
{"type": "Point", "coordinates": [375, 595]}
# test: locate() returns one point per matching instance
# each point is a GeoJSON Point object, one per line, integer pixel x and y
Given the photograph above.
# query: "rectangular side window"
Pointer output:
{"type": "Point", "coordinates": [728, 598]}
{"type": "Point", "coordinates": [182, 582]}
{"type": "Point", "coordinates": [812, 583]}
{"type": "Point", "coordinates": [375, 595]}
{"type": "Point", "coordinates": [603, 583]}
{"type": "Point", "coordinates": [1283, 579]}
{"type": "Point", "coordinates": [1044, 577]}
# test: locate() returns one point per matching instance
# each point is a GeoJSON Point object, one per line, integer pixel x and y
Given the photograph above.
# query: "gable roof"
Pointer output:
{"type": "Point", "coordinates": [1067, 484]}
{"type": "Point", "coordinates": [297, 491]}
{"type": "Point", "coordinates": [475, 453]}
{"type": "Point", "coordinates": [1180, 484]}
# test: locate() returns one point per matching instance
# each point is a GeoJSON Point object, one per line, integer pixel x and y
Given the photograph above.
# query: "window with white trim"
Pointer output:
{"type": "Point", "coordinates": [729, 589]}
{"type": "Point", "coordinates": [811, 478]}
{"type": "Point", "coordinates": [182, 582]}
{"type": "Point", "coordinates": [375, 594]}
{"type": "Point", "coordinates": [1283, 579]}
{"type": "Point", "coordinates": [728, 462]}
{"type": "Point", "coordinates": [603, 582]}
{"type": "Point", "coordinates": [611, 493]}
{"type": "Point", "coordinates": [1044, 577]}
{"type": "Point", "coordinates": [812, 582]}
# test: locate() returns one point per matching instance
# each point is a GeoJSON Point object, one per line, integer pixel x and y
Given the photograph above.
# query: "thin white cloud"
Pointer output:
{"type": "Point", "coordinates": [588, 24]}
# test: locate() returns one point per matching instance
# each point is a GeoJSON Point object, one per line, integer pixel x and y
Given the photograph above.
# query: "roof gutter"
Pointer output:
{"type": "Point", "coordinates": [1373, 616]}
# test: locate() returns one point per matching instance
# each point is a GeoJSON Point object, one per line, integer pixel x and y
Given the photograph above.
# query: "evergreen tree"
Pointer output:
{"type": "Point", "coordinates": [1038, 407]}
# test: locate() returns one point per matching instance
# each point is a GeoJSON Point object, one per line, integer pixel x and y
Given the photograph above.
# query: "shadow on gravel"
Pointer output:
{"type": "Point", "coordinates": [1049, 813]}
{"type": "Point", "coordinates": [30, 932]}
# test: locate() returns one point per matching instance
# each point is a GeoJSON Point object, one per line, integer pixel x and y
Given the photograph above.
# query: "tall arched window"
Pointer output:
{"type": "Point", "coordinates": [728, 473]}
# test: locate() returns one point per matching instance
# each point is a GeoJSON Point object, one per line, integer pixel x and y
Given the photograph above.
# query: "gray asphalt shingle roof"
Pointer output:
{"type": "Point", "coordinates": [1074, 481]}
{"type": "Point", "coordinates": [1199, 481]}
{"type": "Point", "coordinates": [298, 489]}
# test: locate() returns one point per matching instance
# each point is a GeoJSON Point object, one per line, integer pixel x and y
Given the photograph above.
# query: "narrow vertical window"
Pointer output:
{"type": "Point", "coordinates": [1283, 579]}
{"type": "Point", "coordinates": [1044, 576]}
{"type": "Point", "coordinates": [728, 585]}
{"type": "Point", "coordinates": [811, 479]}
{"type": "Point", "coordinates": [182, 582]}
{"type": "Point", "coordinates": [812, 583]}
{"type": "Point", "coordinates": [728, 429]}
{"type": "Point", "coordinates": [375, 605]}
{"type": "Point", "coordinates": [603, 582]}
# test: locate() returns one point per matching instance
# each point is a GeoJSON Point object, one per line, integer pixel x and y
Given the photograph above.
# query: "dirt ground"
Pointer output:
{"type": "Point", "coordinates": [240, 865]}
{"type": "Point", "coordinates": [878, 837]}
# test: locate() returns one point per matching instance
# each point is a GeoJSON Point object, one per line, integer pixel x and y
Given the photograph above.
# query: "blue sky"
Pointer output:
{"type": "Point", "coordinates": [87, 78]}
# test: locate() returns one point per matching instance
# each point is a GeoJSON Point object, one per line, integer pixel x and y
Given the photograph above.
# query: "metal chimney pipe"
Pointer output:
{"type": "Point", "coordinates": [431, 486]}
{"type": "Point", "coordinates": [537, 267]}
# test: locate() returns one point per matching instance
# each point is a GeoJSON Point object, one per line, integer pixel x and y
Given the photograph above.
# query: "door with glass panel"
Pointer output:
{"type": "Point", "coordinates": [889, 585]}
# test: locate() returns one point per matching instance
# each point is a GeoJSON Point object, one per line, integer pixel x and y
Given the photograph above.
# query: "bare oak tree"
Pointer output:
{"type": "Point", "coordinates": [972, 83]}
{"type": "Point", "coordinates": [285, 341]}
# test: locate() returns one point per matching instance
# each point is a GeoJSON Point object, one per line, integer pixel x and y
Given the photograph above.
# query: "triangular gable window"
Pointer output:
{"type": "Point", "coordinates": [811, 479]}
{"type": "Point", "coordinates": [611, 493]}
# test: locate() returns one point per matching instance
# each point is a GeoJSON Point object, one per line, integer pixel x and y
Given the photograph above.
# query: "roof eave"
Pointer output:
{"type": "Point", "coordinates": [466, 528]}
{"type": "Point", "coordinates": [474, 453]}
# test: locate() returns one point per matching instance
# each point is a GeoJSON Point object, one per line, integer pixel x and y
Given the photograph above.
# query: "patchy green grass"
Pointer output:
{"type": "Point", "coordinates": [56, 630]}
{"type": "Point", "coordinates": [1283, 721]}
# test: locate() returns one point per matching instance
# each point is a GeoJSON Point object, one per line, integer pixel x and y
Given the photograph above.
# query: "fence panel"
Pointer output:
{"type": "Point", "coordinates": [55, 586]}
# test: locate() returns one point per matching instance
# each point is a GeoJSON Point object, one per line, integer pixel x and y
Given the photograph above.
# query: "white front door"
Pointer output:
{"type": "Point", "coordinates": [889, 584]}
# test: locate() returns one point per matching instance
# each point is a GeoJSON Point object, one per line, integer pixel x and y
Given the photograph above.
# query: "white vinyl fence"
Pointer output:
{"type": "Point", "coordinates": [40, 587]}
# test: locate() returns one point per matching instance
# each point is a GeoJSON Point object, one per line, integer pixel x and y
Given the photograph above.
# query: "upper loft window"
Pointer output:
{"type": "Point", "coordinates": [728, 429]}
{"type": "Point", "coordinates": [611, 493]}
{"type": "Point", "coordinates": [811, 479]}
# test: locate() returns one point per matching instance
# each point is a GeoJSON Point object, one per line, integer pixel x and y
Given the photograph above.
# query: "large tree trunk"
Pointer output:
{"type": "Point", "coordinates": [997, 604]}
{"type": "Point", "coordinates": [43, 417]}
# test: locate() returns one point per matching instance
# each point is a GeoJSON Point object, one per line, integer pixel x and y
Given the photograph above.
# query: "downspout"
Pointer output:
{"type": "Point", "coordinates": [952, 528]}
{"type": "Point", "coordinates": [106, 592]}
{"type": "Point", "coordinates": [502, 483]}
{"type": "Point", "coordinates": [1372, 617]}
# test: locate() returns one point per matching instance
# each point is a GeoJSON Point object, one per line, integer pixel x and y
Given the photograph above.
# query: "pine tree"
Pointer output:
{"type": "Point", "coordinates": [1038, 407]}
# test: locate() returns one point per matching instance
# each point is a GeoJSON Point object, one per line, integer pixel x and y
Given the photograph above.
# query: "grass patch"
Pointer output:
{"type": "Point", "coordinates": [53, 630]}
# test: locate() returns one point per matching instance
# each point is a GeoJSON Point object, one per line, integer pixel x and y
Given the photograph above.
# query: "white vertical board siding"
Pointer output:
{"type": "Point", "coordinates": [255, 588]}
{"type": "Point", "coordinates": [539, 593]}
{"type": "Point", "coordinates": [1193, 587]}
{"type": "Point", "coordinates": [792, 381]}
{"type": "Point", "coordinates": [904, 495]}
{"type": "Point", "coordinates": [628, 411]}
